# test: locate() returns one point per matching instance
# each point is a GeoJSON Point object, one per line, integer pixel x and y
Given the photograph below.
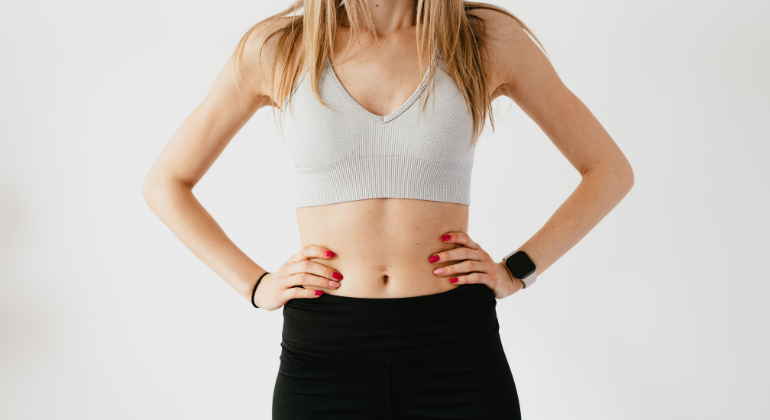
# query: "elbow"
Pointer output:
{"type": "Point", "coordinates": [157, 187]}
{"type": "Point", "coordinates": [153, 188]}
{"type": "Point", "coordinates": [149, 186]}
{"type": "Point", "coordinates": [615, 179]}
{"type": "Point", "coordinates": [626, 178]}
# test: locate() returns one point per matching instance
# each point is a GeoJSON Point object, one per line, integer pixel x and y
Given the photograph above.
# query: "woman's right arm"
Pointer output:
{"type": "Point", "coordinates": [190, 153]}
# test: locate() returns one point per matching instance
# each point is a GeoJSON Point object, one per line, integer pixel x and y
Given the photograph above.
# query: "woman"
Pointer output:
{"type": "Point", "coordinates": [389, 307]}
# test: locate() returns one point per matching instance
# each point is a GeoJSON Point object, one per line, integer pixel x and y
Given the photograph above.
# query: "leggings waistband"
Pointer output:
{"type": "Point", "coordinates": [390, 328]}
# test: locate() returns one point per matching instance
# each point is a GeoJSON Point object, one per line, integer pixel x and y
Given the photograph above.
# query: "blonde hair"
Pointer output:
{"type": "Point", "coordinates": [457, 34]}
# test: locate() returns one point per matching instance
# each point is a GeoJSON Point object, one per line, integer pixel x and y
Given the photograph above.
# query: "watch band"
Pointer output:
{"type": "Point", "coordinates": [529, 279]}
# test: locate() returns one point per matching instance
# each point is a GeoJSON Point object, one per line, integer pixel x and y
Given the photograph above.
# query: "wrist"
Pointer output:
{"type": "Point", "coordinates": [521, 267]}
{"type": "Point", "coordinates": [517, 283]}
{"type": "Point", "coordinates": [256, 286]}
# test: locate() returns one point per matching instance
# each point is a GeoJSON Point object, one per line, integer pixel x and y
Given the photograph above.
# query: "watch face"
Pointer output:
{"type": "Point", "coordinates": [520, 264]}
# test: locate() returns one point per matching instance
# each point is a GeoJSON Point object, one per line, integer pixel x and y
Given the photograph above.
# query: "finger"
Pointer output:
{"type": "Point", "coordinates": [315, 268]}
{"type": "Point", "coordinates": [305, 279]}
{"type": "Point", "coordinates": [300, 293]}
{"type": "Point", "coordinates": [471, 278]}
{"type": "Point", "coordinates": [461, 268]}
{"type": "Point", "coordinates": [457, 254]}
{"type": "Point", "coordinates": [461, 238]}
{"type": "Point", "coordinates": [312, 251]}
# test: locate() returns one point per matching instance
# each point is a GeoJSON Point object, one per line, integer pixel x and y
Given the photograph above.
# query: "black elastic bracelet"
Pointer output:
{"type": "Point", "coordinates": [253, 292]}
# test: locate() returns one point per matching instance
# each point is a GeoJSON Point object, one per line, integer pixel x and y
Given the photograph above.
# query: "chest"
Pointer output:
{"type": "Point", "coordinates": [431, 124]}
{"type": "Point", "coordinates": [379, 84]}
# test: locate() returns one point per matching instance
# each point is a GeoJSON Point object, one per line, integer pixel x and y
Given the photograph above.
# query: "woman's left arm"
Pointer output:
{"type": "Point", "coordinates": [520, 71]}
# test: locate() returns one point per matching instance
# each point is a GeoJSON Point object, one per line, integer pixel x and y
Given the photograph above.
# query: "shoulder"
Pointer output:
{"type": "Point", "coordinates": [508, 49]}
{"type": "Point", "coordinates": [255, 56]}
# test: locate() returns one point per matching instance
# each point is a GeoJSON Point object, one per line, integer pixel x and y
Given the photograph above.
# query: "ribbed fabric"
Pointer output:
{"type": "Point", "coordinates": [347, 153]}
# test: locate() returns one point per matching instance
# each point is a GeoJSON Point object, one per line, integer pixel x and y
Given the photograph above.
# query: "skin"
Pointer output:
{"type": "Point", "coordinates": [387, 247]}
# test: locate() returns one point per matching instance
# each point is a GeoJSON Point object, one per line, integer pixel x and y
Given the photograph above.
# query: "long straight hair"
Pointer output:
{"type": "Point", "coordinates": [457, 34]}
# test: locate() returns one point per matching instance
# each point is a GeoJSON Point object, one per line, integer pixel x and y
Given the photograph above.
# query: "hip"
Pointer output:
{"type": "Point", "coordinates": [390, 328]}
{"type": "Point", "coordinates": [430, 357]}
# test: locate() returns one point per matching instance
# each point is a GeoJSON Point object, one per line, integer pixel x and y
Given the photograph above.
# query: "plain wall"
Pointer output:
{"type": "Point", "coordinates": [660, 312]}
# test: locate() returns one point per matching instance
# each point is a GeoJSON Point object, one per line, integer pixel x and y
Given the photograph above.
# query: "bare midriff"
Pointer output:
{"type": "Point", "coordinates": [383, 244]}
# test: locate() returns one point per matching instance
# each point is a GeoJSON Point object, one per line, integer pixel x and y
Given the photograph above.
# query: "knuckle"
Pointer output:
{"type": "Point", "coordinates": [327, 272]}
{"type": "Point", "coordinates": [311, 269]}
{"type": "Point", "coordinates": [290, 294]}
{"type": "Point", "coordinates": [279, 280]}
{"type": "Point", "coordinates": [288, 281]}
{"type": "Point", "coordinates": [310, 251]}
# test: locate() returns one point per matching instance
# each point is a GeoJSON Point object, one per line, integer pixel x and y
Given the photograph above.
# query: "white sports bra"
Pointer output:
{"type": "Point", "coordinates": [348, 153]}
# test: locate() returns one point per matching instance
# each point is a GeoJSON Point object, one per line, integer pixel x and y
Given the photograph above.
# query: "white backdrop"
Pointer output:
{"type": "Point", "coordinates": [661, 312]}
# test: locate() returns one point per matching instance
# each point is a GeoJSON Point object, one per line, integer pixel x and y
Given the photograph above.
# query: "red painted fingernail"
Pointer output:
{"type": "Point", "coordinates": [434, 259]}
{"type": "Point", "coordinates": [453, 280]}
{"type": "Point", "coordinates": [329, 254]}
{"type": "Point", "coordinates": [318, 292]}
{"type": "Point", "coordinates": [337, 276]}
{"type": "Point", "coordinates": [446, 237]}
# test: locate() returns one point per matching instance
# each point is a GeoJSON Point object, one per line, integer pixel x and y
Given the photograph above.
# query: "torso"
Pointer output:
{"type": "Point", "coordinates": [382, 244]}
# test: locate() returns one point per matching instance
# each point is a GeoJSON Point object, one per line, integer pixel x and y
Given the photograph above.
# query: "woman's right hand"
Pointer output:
{"type": "Point", "coordinates": [279, 287]}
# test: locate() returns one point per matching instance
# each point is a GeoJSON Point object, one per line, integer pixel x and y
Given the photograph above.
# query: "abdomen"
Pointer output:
{"type": "Point", "coordinates": [383, 244]}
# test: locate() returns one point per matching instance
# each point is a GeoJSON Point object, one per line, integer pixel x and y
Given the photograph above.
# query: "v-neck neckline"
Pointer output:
{"type": "Point", "coordinates": [376, 117]}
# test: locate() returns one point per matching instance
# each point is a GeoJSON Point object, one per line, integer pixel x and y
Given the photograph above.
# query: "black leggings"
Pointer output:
{"type": "Point", "coordinates": [424, 357]}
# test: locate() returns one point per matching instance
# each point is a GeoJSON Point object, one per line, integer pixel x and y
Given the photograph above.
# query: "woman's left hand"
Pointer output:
{"type": "Point", "coordinates": [475, 266]}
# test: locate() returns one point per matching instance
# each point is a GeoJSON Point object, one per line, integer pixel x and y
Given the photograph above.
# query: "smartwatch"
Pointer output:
{"type": "Point", "coordinates": [522, 267]}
